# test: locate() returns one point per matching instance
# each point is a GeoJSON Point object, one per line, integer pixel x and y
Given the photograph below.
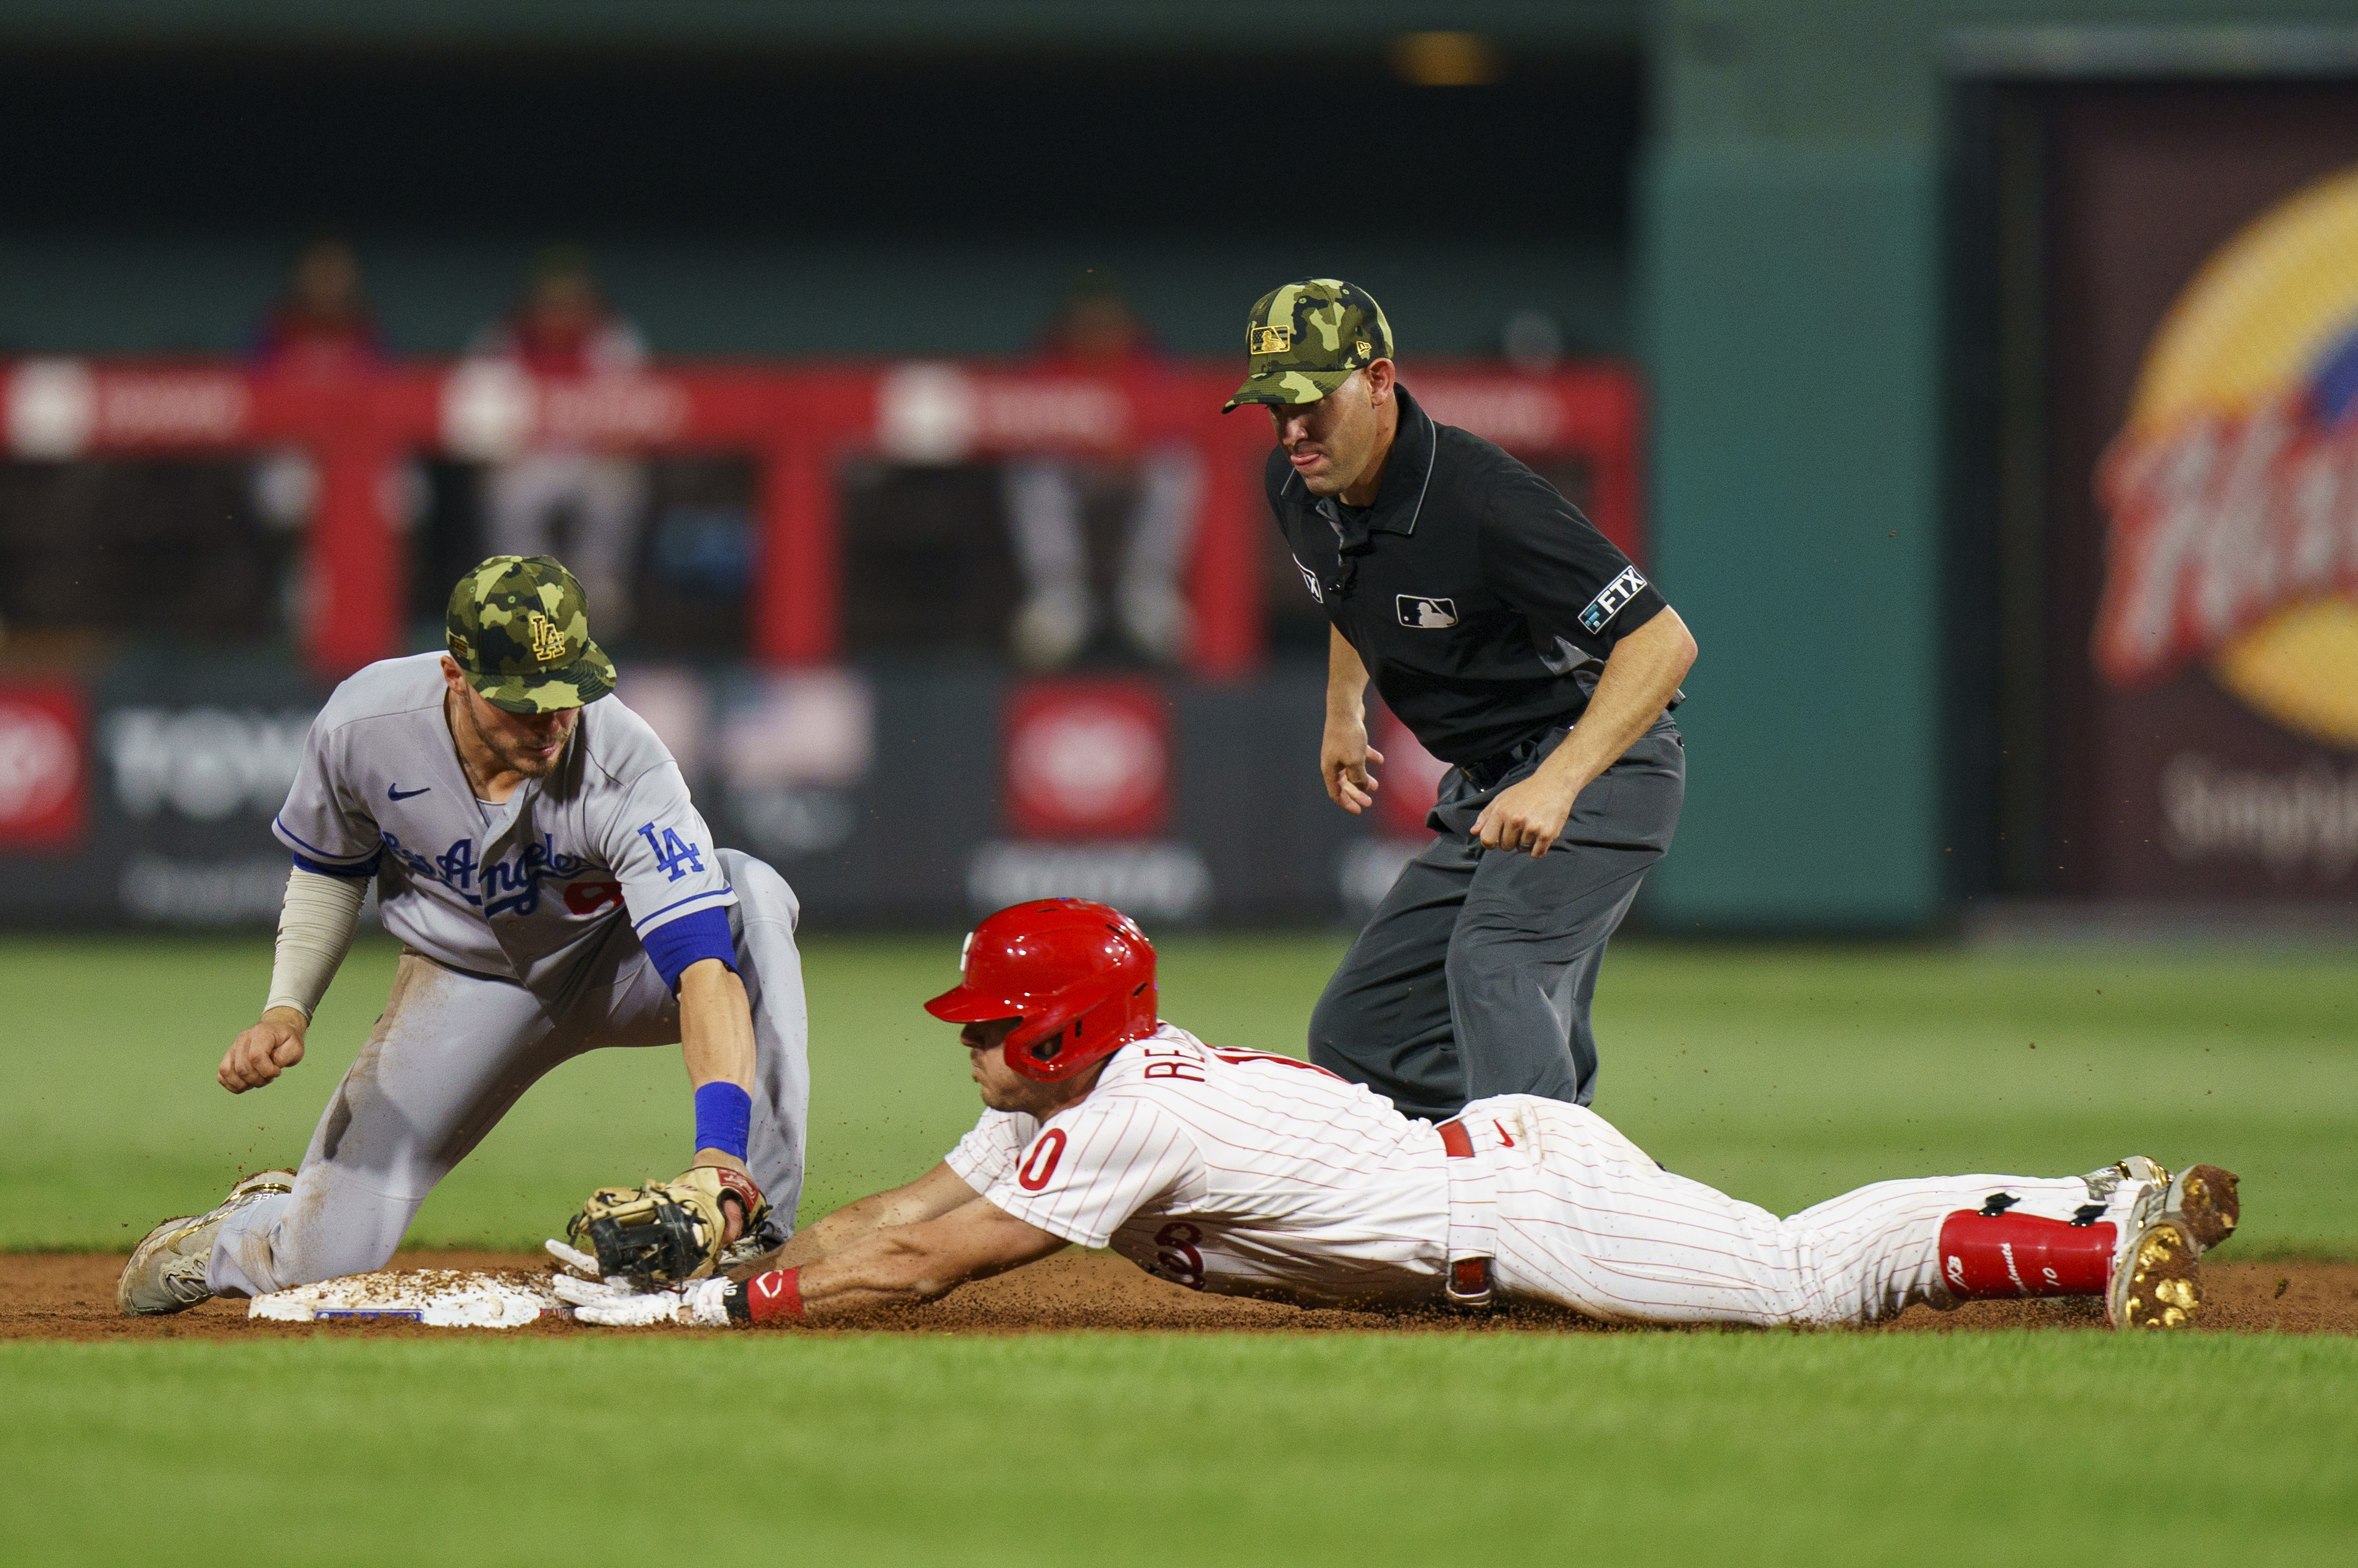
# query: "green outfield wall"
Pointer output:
{"type": "Point", "coordinates": [1792, 311]}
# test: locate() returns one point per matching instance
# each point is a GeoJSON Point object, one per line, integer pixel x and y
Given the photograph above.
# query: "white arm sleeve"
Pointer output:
{"type": "Point", "coordinates": [315, 932]}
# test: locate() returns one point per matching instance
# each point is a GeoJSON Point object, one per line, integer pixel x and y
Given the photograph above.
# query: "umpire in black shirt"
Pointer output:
{"type": "Point", "coordinates": [1515, 642]}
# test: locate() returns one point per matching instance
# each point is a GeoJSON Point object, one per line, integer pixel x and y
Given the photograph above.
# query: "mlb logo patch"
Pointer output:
{"type": "Point", "coordinates": [1427, 615]}
{"type": "Point", "coordinates": [1606, 604]}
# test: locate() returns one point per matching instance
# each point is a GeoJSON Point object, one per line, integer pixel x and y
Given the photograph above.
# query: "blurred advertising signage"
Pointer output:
{"type": "Point", "coordinates": [936, 414]}
{"type": "Point", "coordinates": [2211, 749]}
{"type": "Point", "coordinates": [1088, 760]}
{"type": "Point", "coordinates": [1516, 413]}
{"type": "Point", "coordinates": [493, 409]}
{"type": "Point", "coordinates": [43, 765]}
{"type": "Point", "coordinates": [57, 409]}
{"type": "Point", "coordinates": [205, 763]}
{"type": "Point", "coordinates": [2232, 492]}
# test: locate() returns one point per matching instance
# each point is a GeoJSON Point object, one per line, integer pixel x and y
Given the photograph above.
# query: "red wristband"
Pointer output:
{"type": "Point", "coordinates": [774, 1295]}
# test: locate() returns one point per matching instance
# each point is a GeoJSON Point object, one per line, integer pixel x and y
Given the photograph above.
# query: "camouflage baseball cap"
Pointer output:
{"type": "Point", "coordinates": [1306, 339]}
{"type": "Point", "coordinates": [519, 626]}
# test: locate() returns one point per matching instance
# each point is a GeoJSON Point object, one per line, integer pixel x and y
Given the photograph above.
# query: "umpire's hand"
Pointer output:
{"type": "Point", "coordinates": [263, 1052]}
{"type": "Point", "coordinates": [1530, 815]}
{"type": "Point", "coordinates": [1343, 757]}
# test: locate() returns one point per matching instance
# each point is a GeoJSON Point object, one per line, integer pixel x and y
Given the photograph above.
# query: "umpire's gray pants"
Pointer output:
{"type": "Point", "coordinates": [1475, 976]}
{"type": "Point", "coordinates": [454, 1051]}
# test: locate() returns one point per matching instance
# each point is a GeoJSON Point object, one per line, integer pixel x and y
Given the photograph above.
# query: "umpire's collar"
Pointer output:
{"type": "Point", "coordinates": [1408, 475]}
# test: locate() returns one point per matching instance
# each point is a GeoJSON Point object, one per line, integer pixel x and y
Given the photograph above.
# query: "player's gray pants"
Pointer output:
{"type": "Point", "coordinates": [452, 1053]}
{"type": "Point", "coordinates": [1475, 975]}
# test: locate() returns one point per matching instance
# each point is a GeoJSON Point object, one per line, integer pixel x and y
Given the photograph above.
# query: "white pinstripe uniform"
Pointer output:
{"type": "Point", "coordinates": [1244, 1173]}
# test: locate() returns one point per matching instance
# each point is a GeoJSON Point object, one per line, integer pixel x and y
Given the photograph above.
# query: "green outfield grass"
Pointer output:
{"type": "Point", "coordinates": [1088, 1449]}
{"type": "Point", "coordinates": [1783, 1075]}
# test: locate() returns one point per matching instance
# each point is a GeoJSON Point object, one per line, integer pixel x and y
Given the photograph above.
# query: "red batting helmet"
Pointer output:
{"type": "Point", "coordinates": [1079, 975]}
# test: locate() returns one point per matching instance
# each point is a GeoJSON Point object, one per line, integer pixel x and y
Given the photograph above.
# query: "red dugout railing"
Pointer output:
{"type": "Point", "coordinates": [797, 423]}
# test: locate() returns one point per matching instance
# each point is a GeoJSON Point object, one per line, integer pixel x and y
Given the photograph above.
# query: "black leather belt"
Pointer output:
{"type": "Point", "coordinates": [1484, 772]}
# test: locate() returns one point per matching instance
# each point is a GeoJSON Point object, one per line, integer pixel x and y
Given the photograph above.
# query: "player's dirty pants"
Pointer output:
{"type": "Point", "coordinates": [1475, 976]}
{"type": "Point", "coordinates": [1586, 1220]}
{"type": "Point", "coordinates": [454, 1051]}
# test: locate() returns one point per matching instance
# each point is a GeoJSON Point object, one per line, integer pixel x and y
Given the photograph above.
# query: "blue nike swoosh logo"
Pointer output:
{"type": "Point", "coordinates": [395, 793]}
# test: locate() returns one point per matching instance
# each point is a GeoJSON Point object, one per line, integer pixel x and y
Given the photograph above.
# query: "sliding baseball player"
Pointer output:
{"type": "Point", "coordinates": [1246, 1174]}
{"type": "Point", "coordinates": [535, 851]}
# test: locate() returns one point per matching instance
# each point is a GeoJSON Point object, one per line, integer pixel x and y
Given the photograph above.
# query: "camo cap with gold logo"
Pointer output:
{"type": "Point", "coordinates": [519, 626]}
{"type": "Point", "coordinates": [1304, 340]}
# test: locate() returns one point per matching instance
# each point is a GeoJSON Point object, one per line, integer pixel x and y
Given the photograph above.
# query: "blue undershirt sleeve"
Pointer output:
{"type": "Point", "coordinates": [696, 935]}
{"type": "Point", "coordinates": [361, 872]}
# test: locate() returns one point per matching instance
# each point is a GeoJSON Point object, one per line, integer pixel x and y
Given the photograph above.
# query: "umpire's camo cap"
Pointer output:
{"type": "Point", "coordinates": [519, 626]}
{"type": "Point", "coordinates": [1304, 340]}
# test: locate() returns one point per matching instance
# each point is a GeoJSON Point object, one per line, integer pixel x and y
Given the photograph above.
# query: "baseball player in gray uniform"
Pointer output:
{"type": "Point", "coordinates": [535, 851]}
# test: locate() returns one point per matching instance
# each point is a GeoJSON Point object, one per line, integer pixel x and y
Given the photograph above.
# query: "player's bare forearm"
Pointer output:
{"type": "Point", "coordinates": [1343, 751]}
{"type": "Point", "coordinates": [716, 1034]}
{"type": "Point", "coordinates": [1640, 676]}
{"type": "Point", "coordinates": [905, 1264]}
{"type": "Point", "coordinates": [931, 1196]}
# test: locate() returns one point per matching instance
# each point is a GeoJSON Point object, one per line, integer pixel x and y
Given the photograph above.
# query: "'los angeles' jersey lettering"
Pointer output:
{"type": "Point", "coordinates": [510, 885]}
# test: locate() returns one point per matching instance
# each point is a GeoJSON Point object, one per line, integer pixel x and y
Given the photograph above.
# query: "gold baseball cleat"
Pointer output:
{"type": "Point", "coordinates": [2205, 1196]}
{"type": "Point", "coordinates": [2157, 1282]}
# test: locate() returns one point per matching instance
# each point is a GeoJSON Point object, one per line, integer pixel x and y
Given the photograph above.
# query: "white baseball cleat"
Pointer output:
{"type": "Point", "coordinates": [166, 1271]}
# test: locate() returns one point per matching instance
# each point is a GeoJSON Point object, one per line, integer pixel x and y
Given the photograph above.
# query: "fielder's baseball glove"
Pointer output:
{"type": "Point", "coordinates": [665, 1231]}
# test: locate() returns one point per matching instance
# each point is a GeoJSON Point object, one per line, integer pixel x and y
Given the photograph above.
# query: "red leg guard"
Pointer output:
{"type": "Point", "coordinates": [2007, 1256]}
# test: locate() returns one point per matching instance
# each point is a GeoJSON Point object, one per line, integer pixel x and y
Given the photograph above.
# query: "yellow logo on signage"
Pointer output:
{"type": "Point", "coordinates": [547, 643]}
{"type": "Point", "coordinates": [2234, 539]}
{"type": "Point", "coordinates": [1272, 339]}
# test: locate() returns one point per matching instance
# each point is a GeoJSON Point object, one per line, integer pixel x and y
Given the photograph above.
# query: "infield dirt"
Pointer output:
{"type": "Point", "coordinates": [70, 1296]}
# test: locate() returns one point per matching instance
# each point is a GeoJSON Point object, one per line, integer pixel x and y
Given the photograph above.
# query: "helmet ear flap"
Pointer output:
{"type": "Point", "coordinates": [1046, 1029]}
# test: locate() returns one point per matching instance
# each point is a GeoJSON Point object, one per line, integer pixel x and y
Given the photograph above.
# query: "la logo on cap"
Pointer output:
{"type": "Point", "coordinates": [547, 643]}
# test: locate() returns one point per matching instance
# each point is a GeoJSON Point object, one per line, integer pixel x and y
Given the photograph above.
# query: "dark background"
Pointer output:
{"type": "Point", "coordinates": [901, 196]}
